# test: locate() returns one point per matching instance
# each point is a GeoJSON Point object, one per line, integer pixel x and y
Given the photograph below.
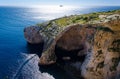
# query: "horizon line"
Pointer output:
{"type": "Point", "coordinates": [57, 5]}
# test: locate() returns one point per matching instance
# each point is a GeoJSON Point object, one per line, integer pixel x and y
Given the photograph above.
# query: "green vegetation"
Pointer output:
{"type": "Point", "coordinates": [53, 27]}
{"type": "Point", "coordinates": [62, 21]}
{"type": "Point", "coordinates": [82, 19]}
{"type": "Point", "coordinates": [90, 18]}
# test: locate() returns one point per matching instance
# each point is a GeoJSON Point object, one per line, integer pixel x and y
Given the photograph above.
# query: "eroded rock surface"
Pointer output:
{"type": "Point", "coordinates": [105, 54]}
{"type": "Point", "coordinates": [32, 35]}
{"type": "Point", "coordinates": [99, 42]}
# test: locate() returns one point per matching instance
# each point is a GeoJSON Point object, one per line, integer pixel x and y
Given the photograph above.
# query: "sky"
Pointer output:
{"type": "Point", "coordinates": [60, 2]}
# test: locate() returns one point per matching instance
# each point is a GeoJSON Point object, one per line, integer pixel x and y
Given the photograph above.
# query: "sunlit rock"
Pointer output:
{"type": "Point", "coordinates": [93, 36]}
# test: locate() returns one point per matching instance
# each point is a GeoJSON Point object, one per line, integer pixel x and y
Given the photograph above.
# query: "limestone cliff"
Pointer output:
{"type": "Point", "coordinates": [105, 53]}
{"type": "Point", "coordinates": [95, 36]}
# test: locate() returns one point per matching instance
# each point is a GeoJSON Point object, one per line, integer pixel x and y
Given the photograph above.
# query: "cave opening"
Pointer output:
{"type": "Point", "coordinates": [71, 56]}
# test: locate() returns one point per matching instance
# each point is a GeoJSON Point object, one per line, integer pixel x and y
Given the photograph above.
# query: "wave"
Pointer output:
{"type": "Point", "coordinates": [30, 69]}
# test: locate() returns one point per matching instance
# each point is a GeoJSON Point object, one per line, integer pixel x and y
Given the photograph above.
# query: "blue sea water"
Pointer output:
{"type": "Point", "coordinates": [15, 54]}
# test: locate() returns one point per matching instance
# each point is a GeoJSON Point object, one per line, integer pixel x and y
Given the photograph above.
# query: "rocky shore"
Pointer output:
{"type": "Point", "coordinates": [89, 44]}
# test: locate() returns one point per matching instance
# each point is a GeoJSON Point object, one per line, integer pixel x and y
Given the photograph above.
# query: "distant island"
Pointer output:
{"type": "Point", "coordinates": [86, 46]}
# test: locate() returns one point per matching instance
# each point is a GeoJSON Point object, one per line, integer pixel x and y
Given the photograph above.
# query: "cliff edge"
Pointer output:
{"type": "Point", "coordinates": [96, 36]}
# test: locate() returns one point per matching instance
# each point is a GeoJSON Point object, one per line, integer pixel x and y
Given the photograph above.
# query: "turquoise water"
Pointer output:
{"type": "Point", "coordinates": [15, 52]}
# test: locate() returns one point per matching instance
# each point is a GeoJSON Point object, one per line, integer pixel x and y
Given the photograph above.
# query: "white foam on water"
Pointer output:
{"type": "Point", "coordinates": [30, 69]}
{"type": "Point", "coordinates": [47, 76]}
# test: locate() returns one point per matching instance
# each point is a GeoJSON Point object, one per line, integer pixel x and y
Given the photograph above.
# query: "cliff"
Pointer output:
{"type": "Point", "coordinates": [92, 38]}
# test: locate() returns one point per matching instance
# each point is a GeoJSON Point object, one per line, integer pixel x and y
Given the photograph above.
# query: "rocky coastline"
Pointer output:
{"type": "Point", "coordinates": [89, 44]}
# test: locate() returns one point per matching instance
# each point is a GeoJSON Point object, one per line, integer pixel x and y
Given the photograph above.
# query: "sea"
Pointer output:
{"type": "Point", "coordinates": [18, 59]}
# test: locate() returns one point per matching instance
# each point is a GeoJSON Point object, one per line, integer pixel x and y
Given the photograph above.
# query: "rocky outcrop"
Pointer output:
{"type": "Point", "coordinates": [98, 42]}
{"type": "Point", "coordinates": [104, 58]}
{"type": "Point", "coordinates": [32, 35]}
{"type": "Point", "coordinates": [63, 41]}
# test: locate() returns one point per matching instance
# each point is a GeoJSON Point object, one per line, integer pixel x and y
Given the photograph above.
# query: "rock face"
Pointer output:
{"type": "Point", "coordinates": [102, 62]}
{"type": "Point", "coordinates": [72, 39]}
{"type": "Point", "coordinates": [99, 43]}
{"type": "Point", "coordinates": [32, 35]}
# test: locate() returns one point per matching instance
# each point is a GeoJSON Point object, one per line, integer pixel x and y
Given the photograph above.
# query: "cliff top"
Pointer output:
{"type": "Point", "coordinates": [54, 27]}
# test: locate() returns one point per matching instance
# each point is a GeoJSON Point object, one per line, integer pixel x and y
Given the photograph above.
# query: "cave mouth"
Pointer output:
{"type": "Point", "coordinates": [74, 58]}
{"type": "Point", "coordinates": [72, 55]}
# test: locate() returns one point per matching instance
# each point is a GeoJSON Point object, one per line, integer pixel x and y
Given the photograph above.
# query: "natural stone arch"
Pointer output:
{"type": "Point", "coordinates": [75, 32]}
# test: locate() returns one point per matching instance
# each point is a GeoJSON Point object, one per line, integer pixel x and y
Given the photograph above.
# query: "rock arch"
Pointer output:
{"type": "Point", "coordinates": [73, 38]}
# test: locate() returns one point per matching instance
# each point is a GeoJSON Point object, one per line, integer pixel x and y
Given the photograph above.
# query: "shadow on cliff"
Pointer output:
{"type": "Point", "coordinates": [57, 69]}
{"type": "Point", "coordinates": [35, 48]}
{"type": "Point", "coordinates": [70, 56]}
